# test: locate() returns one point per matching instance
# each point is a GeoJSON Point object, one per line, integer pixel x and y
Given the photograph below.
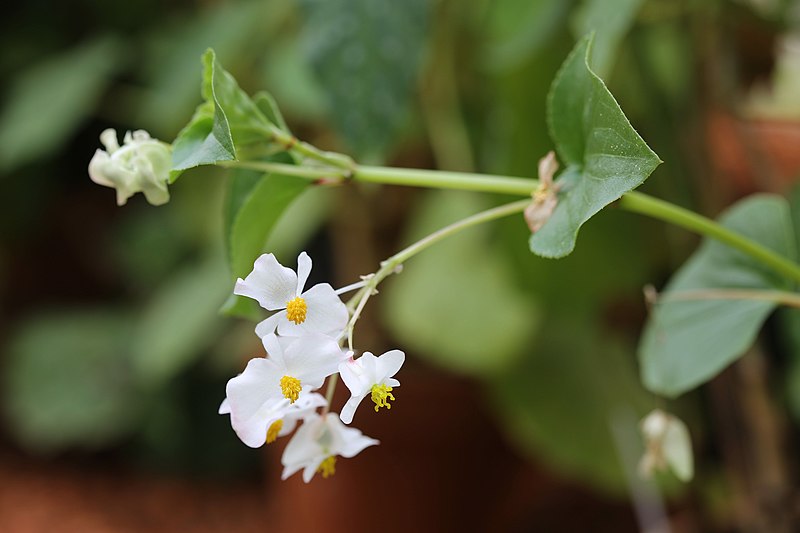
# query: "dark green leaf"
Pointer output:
{"type": "Point", "coordinates": [687, 342]}
{"type": "Point", "coordinates": [604, 156]}
{"type": "Point", "coordinates": [366, 55]}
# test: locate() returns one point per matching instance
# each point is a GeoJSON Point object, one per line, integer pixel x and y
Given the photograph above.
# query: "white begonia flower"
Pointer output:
{"type": "Point", "coordinates": [294, 367]}
{"type": "Point", "coordinates": [667, 444]}
{"type": "Point", "coordinates": [316, 444]}
{"type": "Point", "coordinates": [370, 375]}
{"type": "Point", "coordinates": [140, 164]}
{"type": "Point", "coordinates": [277, 288]}
{"type": "Point", "coordinates": [275, 418]}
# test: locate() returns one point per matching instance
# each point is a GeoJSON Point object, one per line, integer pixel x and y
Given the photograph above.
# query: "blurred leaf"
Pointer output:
{"type": "Point", "coordinates": [255, 206]}
{"type": "Point", "coordinates": [687, 342]}
{"type": "Point", "coordinates": [366, 55]}
{"type": "Point", "coordinates": [179, 322]}
{"type": "Point", "coordinates": [453, 303]}
{"type": "Point", "coordinates": [67, 380]}
{"type": "Point", "coordinates": [558, 402]}
{"type": "Point", "coordinates": [226, 120]}
{"type": "Point", "coordinates": [610, 21]}
{"type": "Point", "coordinates": [51, 99]}
{"type": "Point", "coordinates": [604, 155]}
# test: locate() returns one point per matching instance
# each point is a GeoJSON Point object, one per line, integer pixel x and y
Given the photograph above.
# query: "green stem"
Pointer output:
{"type": "Point", "coordinates": [647, 205]}
{"type": "Point", "coordinates": [789, 299]}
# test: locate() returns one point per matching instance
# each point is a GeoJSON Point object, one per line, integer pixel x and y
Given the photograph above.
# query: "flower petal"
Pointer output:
{"type": "Point", "coordinates": [224, 407]}
{"type": "Point", "coordinates": [352, 375]}
{"type": "Point", "coordinates": [388, 364]}
{"type": "Point", "coordinates": [303, 270]}
{"type": "Point", "coordinates": [252, 396]}
{"type": "Point", "coordinates": [349, 409]}
{"type": "Point", "coordinates": [325, 314]}
{"type": "Point", "coordinates": [270, 283]}
{"type": "Point", "coordinates": [311, 358]}
{"type": "Point", "coordinates": [348, 442]}
{"type": "Point", "coordinates": [270, 324]}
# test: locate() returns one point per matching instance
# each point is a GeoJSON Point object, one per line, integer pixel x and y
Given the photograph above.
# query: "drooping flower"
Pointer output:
{"type": "Point", "coordinates": [316, 444]}
{"type": "Point", "coordinates": [277, 288]}
{"type": "Point", "coordinates": [545, 198]}
{"type": "Point", "coordinates": [294, 367]}
{"type": "Point", "coordinates": [140, 164]}
{"type": "Point", "coordinates": [275, 418]}
{"type": "Point", "coordinates": [370, 375]}
{"type": "Point", "coordinates": [667, 444]}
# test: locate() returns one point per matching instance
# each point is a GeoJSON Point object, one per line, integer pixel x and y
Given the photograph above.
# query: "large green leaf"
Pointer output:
{"type": "Point", "coordinates": [366, 55]}
{"type": "Point", "coordinates": [455, 303]}
{"type": "Point", "coordinates": [603, 154]}
{"type": "Point", "coordinates": [560, 401]}
{"type": "Point", "coordinates": [48, 101]}
{"type": "Point", "coordinates": [227, 120]}
{"type": "Point", "coordinates": [67, 380]}
{"type": "Point", "coordinates": [687, 342]}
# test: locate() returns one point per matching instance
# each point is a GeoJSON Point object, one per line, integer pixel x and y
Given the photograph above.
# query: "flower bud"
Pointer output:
{"type": "Point", "coordinates": [140, 164]}
{"type": "Point", "coordinates": [667, 444]}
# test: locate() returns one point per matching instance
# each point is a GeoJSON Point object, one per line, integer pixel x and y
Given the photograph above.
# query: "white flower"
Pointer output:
{"type": "Point", "coordinates": [277, 288]}
{"type": "Point", "coordinates": [141, 164]}
{"type": "Point", "coordinates": [293, 368]}
{"type": "Point", "coordinates": [317, 443]}
{"type": "Point", "coordinates": [370, 375]}
{"type": "Point", "coordinates": [667, 444]}
{"type": "Point", "coordinates": [275, 418]}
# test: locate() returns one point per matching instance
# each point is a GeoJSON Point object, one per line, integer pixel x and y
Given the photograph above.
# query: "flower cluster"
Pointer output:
{"type": "Point", "coordinates": [302, 339]}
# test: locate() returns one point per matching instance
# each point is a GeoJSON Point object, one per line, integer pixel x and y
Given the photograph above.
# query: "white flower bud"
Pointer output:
{"type": "Point", "coordinates": [667, 444]}
{"type": "Point", "coordinates": [140, 164]}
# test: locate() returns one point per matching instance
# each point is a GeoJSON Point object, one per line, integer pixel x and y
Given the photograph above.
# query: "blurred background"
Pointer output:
{"type": "Point", "coordinates": [521, 395]}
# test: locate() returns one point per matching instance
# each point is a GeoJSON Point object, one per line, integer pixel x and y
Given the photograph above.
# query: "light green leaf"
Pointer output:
{"type": "Point", "coordinates": [559, 401]}
{"type": "Point", "coordinates": [67, 381]}
{"type": "Point", "coordinates": [179, 322]}
{"type": "Point", "coordinates": [48, 101]}
{"type": "Point", "coordinates": [255, 206]}
{"type": "Point", "coordinates": [687, 342]}
{"type": "Point", "coordinates": [366, 55]}
{"type": "Point", "coordinates": [227, 120]}
{"type": "Point", "coordinates": [455, 303]}
{"type": "Point", "coordinates": [603, 154]}
{"type": "Point", "coordinates": [610, 20]}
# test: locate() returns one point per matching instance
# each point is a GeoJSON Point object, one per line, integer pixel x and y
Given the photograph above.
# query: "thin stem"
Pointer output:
{"type": "Point", "coordinates": [311, 173]}
{"type": "Point", "coordinates": [438, 179]}
{"type": "Point", "coordinates": [290, 142]}
{"type": "Point", "coordinates": [789, 299]}
{"type": "Point", "coordinates": [647, 205]}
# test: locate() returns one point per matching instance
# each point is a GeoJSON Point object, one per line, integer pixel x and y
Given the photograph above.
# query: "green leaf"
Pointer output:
{"type": "Point", "coordinates": [610, 20]}
{"type": "Point", "coordinates": [460, 283]}
{"type": "Point", "coordinates": [67, 381]}
{"type": "Point", "coordinates": [558, 403]}
{"type": "Point", "coordinates": [47, 102]}
{"type": "Point", "coordinates": [227, 120]}
{"type": "Point", "coordinates": [603, 154]}
{"type": "Point", "coordinates": [179, 322]}
{"type": "Point", "coordinates": [366, 55]}
{"type": "Point", "coordinates": [255, 206]}
{"type": "Point", "coordinates": [687, 342]}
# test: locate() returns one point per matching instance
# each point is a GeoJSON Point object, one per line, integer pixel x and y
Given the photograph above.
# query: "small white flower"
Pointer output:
{"type": "Point", "coordinates": [277, 288]}
{"type": "Point", "coordinates": [275, 418]}
{"type": "Point", "coordinates": [370, 375]}
{"type": "Point", "coordinates": [140, 164]}
{"type": "Point", "coordinates": [294, 367]}
{"type": "Point", "coordinates": [317, 443]}
{"type": "Point", "coordinates": [667, 444]}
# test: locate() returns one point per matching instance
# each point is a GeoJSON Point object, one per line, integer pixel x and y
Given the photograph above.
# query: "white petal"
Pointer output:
{"type": "Point", "coordinates": [349, 409]}
{"type": "Point", "coordinates": [108, 138]}
{"type": "Point", "coordinates": [325, 314]}
{"type": "Point", "coordinates": [270, 283]}
{"type": "Point", "coordinates": [96, 166]}
{"type": "Point", "coordinates": [388, 364]}
{"type": "Point", "coordinates": [252, 395]}
{"type": "Point", "coordinates": [392, 382]}
{"type": "Point", "coordinates": [304, 408]}
{"type": "Point", "coordinates": [348, 442]}
{"type": "Point", "coordinates": [303, 447]}
{"type": "Point", "coordinates": [352, 375]}
{"type": "Point", "coordinates": [369, 365]}
{"type": "Point", "coordinates": [303, 270]}
{"type": "Point", "coordinates": [224, 407]}
{"type": "Point", "coordinates": [312, 358]}
{"type": "Point", "coordinates": [269, 324]}
{"type": "Point", "coordinates": [678, 450]}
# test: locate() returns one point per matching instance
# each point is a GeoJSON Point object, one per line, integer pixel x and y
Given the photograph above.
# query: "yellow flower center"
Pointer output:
{"type": "Point", "coordinates": [296, 310]}
{"type": "Point", "coordinates": [273, 430]}
{"type": "Point", "coordinates": [381, 394]}
{"type": "Point", "coordinates": [291, 388]}
{"type": "Point", "coordinates": [327, 467]}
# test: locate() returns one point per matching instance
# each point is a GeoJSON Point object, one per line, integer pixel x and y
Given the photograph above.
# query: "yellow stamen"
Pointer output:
{"type": "Point", "coordinates": [291, 388]}
{"type": "Point", "coordinates": [296, 310]}
{"type": "Point", "coordinates": [273, 430]}
{"type": "Point", "coordinates": [327, 467]}
{"type": "Point", "coordinates": [381, 394]}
